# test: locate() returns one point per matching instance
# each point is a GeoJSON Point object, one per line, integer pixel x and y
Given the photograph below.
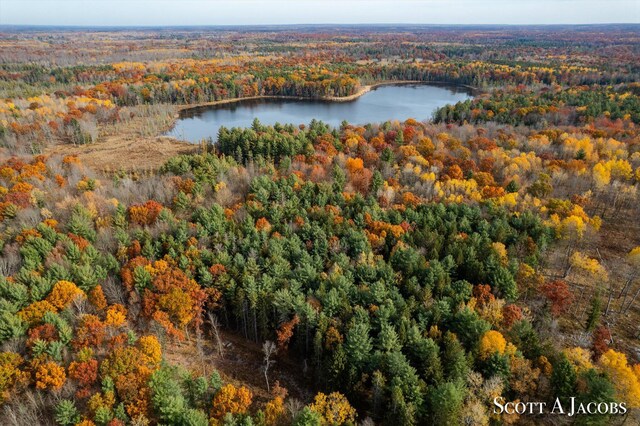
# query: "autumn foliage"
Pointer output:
{"type": "Point", "coordinates": [49, 375]}
{"type": "Point", "coordinates": [333, 408]}
{"type": "Point", "coordinates": [145, 214]}
{"type": "Point", "coordinates": [230, 399]}
{"type": "Point", "coordinates": [559, 296]}
{"type": "Point", "coordinates": [175, 297]}
{"type": "Point", "coordinates": [401, 263]}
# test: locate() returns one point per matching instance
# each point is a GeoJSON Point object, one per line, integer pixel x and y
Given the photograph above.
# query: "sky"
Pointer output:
{"type": "Point", "coordinates": [256, 12]}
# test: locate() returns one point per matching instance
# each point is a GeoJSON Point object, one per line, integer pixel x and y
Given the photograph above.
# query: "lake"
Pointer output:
{"type": "Point", "coordinates": [394, 102]}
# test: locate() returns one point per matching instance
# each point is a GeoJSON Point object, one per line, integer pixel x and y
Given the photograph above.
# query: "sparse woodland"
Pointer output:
{"type": "Point", "coordinates": [390, 273]}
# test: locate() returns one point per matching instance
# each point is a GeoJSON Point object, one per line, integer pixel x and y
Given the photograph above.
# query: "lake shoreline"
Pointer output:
{"type": "Point", "coordinates": [110, 153]}
{"type": "Point", "coordinates": [189, 110]}
{"type": "Point", "coordinates": [362, 91]}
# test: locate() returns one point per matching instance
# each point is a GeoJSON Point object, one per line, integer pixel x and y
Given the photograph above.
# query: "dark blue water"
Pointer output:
{"type": "Point", "coordinates": [379, 105]}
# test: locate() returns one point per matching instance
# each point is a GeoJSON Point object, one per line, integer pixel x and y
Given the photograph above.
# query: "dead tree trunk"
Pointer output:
{"type": "Point", "coordinates": [215, 327]}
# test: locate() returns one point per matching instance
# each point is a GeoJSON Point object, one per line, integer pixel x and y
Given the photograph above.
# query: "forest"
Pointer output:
{"type": "Point", "coordinates": [404, 272]}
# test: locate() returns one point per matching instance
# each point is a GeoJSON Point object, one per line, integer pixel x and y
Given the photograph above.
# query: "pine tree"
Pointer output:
{"type": "Point", "coordinates": [454, 358]}
{"type": "Point", "coordinates": [594, 313]}
{"type": "Point", "coordinates": [358, 344]}
{"type": "Point", "coordinates": [445, 403]}
{"type": "Point", "coordinates": [563, 378]}
{"type": "Point", "coordinates": [66, 413]}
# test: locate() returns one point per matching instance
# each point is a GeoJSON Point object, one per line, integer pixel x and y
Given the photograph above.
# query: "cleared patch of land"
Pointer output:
{"type": "Point", "coordinates": [242, 364]}
{"type": "Point", "coordinates": [118, 153]}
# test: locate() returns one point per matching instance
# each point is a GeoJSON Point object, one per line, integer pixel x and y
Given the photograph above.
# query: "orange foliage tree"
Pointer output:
{"type": "Point", "coordinates": [145, 214]}
{"type": "Point", "coordinates": [285, 332]}
{"type": "Point", "coordinates": [263, 224]}
{"type": "Point", "coordinates": [511, 314]}
{"type": "Point", "coordinates": [175, 297]}
{"type": "Point", "coordinates": [84, 372]}
{"type": "Point", "coordinates": [130, 367]}
{"type": "Point", "coordinates": [63, 293]}
{"type": "Point", "coordinates": [97, 298]}
{"type": "Point", "coordinates": [91, 332]}
{"type": "Point", "coordinates": [50, 375]}
{"type": "Point", "coordinates": [230, 399]}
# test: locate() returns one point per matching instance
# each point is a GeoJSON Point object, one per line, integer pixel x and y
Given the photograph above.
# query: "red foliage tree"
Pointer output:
{"type": "Point", "coordinates": [511, 314]}
{"type": "Point", "coordinates": [91, 332]}
{"type": "Point", "coordinates": [600, 341]}
{"type": "Point", "coordinates": [483, 295]}
{"type": "Point", "coordinates": [559, 296]}
{"type": "Point", "coordinates": [45, 332]}
{"type": "Point", "coordinates": [84, 372]}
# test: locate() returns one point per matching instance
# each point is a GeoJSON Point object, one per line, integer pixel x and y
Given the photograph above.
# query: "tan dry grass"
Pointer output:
{"type": "Point", "coordinates": [117, 153]}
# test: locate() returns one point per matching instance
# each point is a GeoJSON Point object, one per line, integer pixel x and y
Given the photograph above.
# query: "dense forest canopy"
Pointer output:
{"type": "Point", "coordinates": [397, 272]}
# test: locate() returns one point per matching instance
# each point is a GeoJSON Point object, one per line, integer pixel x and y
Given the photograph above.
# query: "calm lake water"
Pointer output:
{"type": "Point", "coordinates": [384, 103]}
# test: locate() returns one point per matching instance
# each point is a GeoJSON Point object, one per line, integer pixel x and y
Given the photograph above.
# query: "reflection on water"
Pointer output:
{"type": "Point", "coordinates": [379, 105]}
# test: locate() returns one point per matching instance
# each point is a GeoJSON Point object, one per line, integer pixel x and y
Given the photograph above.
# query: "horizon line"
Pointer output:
{"type": "Point", "coordinates": [405, 24]}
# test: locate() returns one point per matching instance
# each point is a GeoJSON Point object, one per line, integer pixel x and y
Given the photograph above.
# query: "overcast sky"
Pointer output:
{"type": "Point", "coordinates": [239, 12]}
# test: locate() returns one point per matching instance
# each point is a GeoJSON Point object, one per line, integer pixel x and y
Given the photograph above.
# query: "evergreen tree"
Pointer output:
{"type": "Point", "coordinates": [563, 378]}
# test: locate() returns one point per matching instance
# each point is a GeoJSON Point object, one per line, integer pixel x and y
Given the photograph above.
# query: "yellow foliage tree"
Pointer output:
{"type": "Point", "coordinates": [334, 409]}
{"type": "Point", "coordinates": [501, 251]}
{"type": "Point", "coordinates": [491, 342]}
{"type": "Point", "coordinates": [524, 377]}
{"type": "Point", "coordinates": [622, 376]}
{"type": "Point", "coordinates": [425, 146]}
{"type": "Point", "coordinates": [589, 267]}
{"type": "Point", "coordinates": [601, 176]}
{"type": "Point", "coordinates": [579, 357]}
{"type": "Point", "coordinates": [572, 227]}
{"type": "Point", "coordinates": [492, 311]}
{"type": "Point", "coordinates": [116, 315]}
{"type": "Point", "coordinates": [10, 374]}
{"type": "Point", "coordinates": [34, 312]}
{"type": "Point", "coordinates": [620, 169]}
{"type": "Point", "coordinates": [63, 293]}
{"type": "Point", "coordinates": [634, 257]}
{"type": "Point", "coordinates": [150, 349]}
{"type": "Point", "coordinates": [274, 411]}
{"type": "Point", "coordinates": [100, 400]}
{"type": "Point", "coordinates": [529, 281]}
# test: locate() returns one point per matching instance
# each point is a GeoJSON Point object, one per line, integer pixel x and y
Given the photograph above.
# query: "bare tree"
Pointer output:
{"type": "Point", "coordinates": [269, 349]}
{"type": "Point", "coordinates": [30, 409]}
{"type": "Point", "coordinates": [293, 407]}
{"type": "Point", "coordinates": [200, 350]}
{"type": "Point", "coordinates": [10, 261]}
{"type": "Point", "coordinates": [215, 327]}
